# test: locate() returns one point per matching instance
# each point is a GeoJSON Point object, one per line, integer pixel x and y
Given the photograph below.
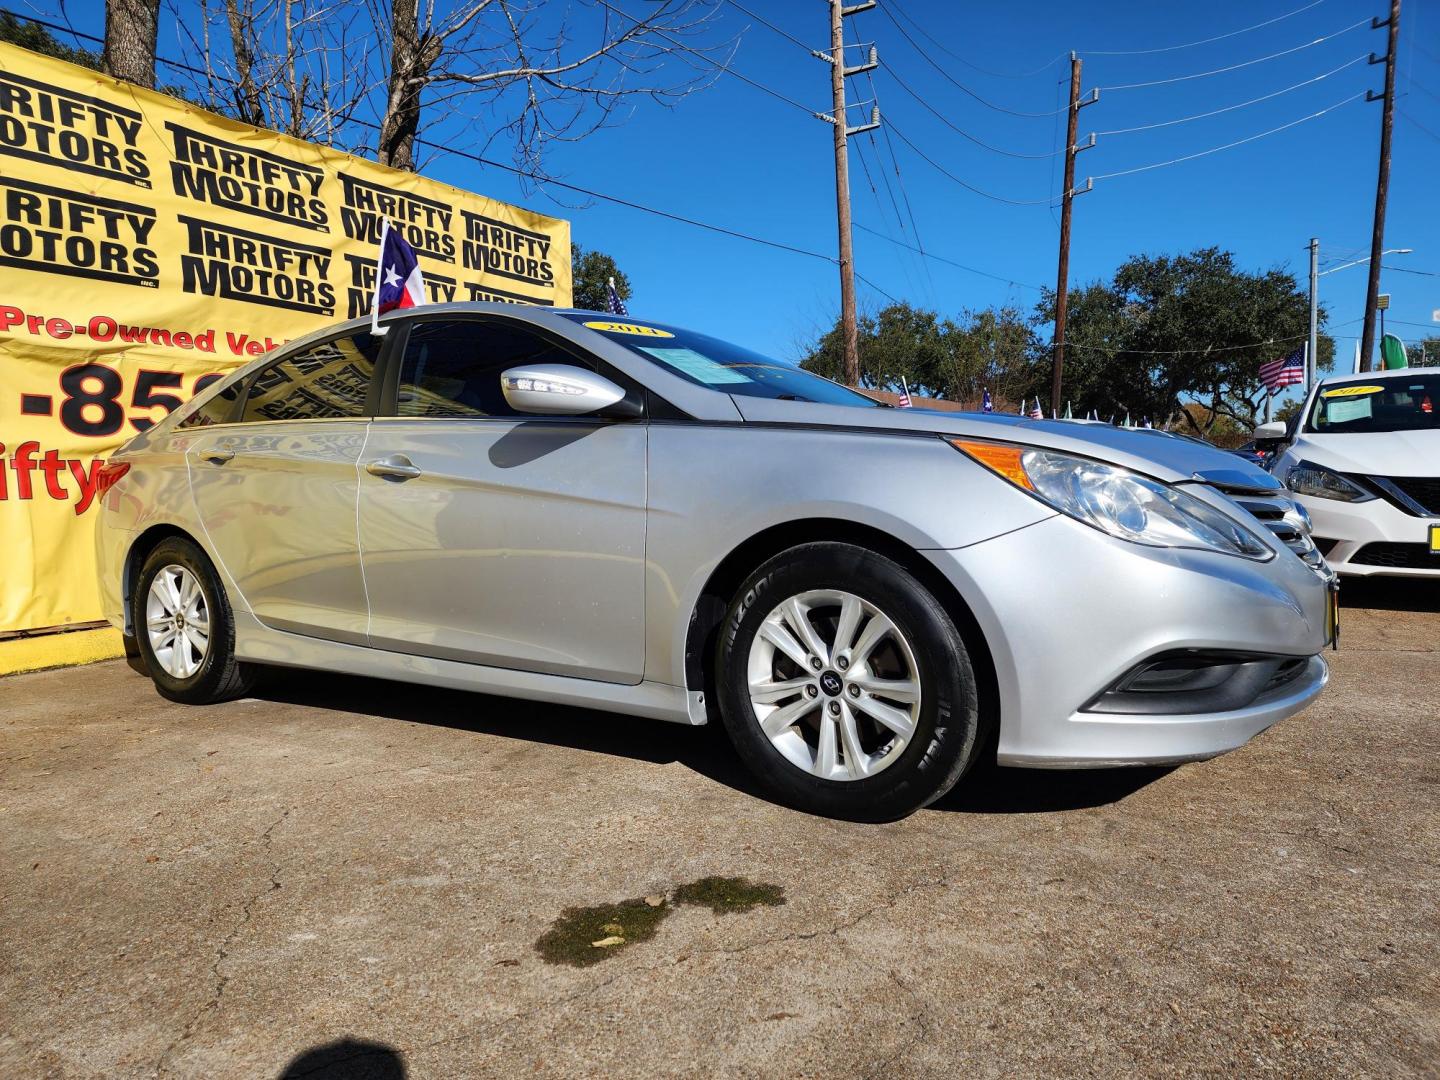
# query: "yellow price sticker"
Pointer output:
{"type": "Point", "coordinates": [628, 328]}
{"type": "Point", "coordinates": [1351, 391]}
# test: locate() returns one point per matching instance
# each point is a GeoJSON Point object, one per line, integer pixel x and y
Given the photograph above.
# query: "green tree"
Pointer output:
{"type": "Point", "coordinates": [36, 38]}
{"type": "Point", "coordinates": [592, 271]}
{"type": "Point", "coordinates": [1425, 352]}
{"type": "Point", "coordinates": [936, 357]}
{"type": "Point", "coordinates": [1172, 329]}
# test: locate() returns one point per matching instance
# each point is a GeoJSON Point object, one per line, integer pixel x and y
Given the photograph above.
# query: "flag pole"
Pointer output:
{"type": "Point", "coordinates": [379, 269]}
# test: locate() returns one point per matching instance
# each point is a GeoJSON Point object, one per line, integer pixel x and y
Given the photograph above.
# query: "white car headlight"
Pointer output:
{"type": "Point", "coordinates": [1307, 478]}
{"type": "Point", "coordinates": [1118, 501]}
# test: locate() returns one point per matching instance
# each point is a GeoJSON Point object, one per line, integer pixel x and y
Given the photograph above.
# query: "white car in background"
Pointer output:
{"type": "Point", "coordinates": [1363, 458]}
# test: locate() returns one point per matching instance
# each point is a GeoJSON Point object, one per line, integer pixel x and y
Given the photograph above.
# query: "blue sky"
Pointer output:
{"type": "Point", "coordinates": [739, 157]}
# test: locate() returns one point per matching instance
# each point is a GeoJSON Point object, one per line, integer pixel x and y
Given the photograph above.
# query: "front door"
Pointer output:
{"type": "Point", "coordinates": [276, 492]}
{"type": "Point", "coordinates": [494, 538]}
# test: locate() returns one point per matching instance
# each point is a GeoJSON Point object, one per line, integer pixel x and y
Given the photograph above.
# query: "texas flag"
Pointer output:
{"type": "Point", "coordinates": [398, 280]}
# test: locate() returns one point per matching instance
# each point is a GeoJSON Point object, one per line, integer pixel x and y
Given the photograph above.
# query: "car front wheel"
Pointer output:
{"type": "Point", "coordinates": [845, 685]}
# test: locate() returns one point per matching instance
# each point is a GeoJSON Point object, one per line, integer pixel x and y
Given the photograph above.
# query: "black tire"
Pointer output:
{"type": "Point", "coordinates": [947, 730]}
{"type": "Point", "coordinates": [220, 676]}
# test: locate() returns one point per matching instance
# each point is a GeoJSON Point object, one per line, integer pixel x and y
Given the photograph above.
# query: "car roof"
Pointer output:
{"type": "Point", "coordinates": [1390, 373]}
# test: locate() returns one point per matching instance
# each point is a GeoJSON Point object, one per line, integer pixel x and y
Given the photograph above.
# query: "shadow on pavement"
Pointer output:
{"type": "Point", "coordinates": [705, 750]}
{"type": "Point", "coordinates": [347, 1059]}
{"type": "Point", "coordinates": [1389, 594]}
{"type": "Point", "coordinates": [988, 789]}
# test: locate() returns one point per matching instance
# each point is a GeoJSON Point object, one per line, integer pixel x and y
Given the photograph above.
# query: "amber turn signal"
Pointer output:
{"type": "Point", "coordinates": [997, 457]}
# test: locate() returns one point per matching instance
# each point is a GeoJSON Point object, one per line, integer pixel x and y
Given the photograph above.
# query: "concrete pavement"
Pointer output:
{"type": "Point", "coordinates": [348, 878]}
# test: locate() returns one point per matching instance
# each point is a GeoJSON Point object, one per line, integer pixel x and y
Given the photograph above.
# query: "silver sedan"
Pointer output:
{"type": "Point", "coordinates": [629, 516]}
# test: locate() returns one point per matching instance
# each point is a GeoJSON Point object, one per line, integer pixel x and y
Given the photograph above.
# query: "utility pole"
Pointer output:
{"type": "Point", "coordinates": [838, 74]}
{"type": "Point", "coordinates": [1312, 358]}
{"type": "Point", "coordinates": [1382, 181]}
{"type": "Point", "coordinates": [1062, 288]}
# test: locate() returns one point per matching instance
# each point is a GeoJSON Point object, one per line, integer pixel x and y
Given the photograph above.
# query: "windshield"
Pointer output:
{"type": "Point", "coordinates": [720, 365]}
{"type": "Point", "coordinates": [1394, 404]}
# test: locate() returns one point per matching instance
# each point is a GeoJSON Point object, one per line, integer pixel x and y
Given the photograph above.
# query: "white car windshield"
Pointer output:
{"type": "Point", "coordinates": [1392, 404]}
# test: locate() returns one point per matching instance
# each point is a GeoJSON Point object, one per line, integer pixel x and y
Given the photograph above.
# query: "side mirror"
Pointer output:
{"type": "Point", "coordinates": [1275, 431]}
{"type": "Point", "coordinates": [558, 389]}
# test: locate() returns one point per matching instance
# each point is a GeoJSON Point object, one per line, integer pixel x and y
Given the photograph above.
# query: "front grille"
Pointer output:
{"type": "Point", "coordinates": [1397, 556]}
{"type": "Point", "coordinates": [1420, 492]}
{"type": "Point", "coordinates": [1280, 514]}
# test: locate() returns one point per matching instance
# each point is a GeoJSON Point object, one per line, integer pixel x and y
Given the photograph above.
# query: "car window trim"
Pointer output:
{"type": "Point", "coordinates": [395, 360]}
{"type": "Point", "coordinates": [287, 352]}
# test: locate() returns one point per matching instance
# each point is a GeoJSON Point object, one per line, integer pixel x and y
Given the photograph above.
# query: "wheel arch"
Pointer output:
{"type": "Point", "coordinates": [724, 581]}
{"type": "Point", "coordinates": [140, 549]}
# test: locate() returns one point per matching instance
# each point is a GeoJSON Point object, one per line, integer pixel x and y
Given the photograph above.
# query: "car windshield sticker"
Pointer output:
{"type": "Point", "coordinates": [1351, 391]}
{"type": "Point", "coordinates": [1342, 412]}
{"type": "Point", "coordinates": [628, 328]}
{"type": "Point", "coordinates": [696, 365]}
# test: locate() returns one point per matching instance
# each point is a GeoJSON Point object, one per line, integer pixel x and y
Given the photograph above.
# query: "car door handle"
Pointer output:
{"type": "Point", "coordinates": [397, 467]}
{"type": "Point", "coordinates": [217, 457]}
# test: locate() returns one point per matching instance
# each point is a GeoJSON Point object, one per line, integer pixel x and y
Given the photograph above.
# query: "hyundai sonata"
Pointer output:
{"type": "Point", "coordinates": [629, 516]}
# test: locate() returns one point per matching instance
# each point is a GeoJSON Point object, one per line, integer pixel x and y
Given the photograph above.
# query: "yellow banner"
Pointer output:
{"type": "Point", "coordinates": [146, 247]}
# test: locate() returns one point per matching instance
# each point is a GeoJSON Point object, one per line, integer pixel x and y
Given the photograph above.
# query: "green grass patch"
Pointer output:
{"type": "Point", "coordinates": [725, 894]}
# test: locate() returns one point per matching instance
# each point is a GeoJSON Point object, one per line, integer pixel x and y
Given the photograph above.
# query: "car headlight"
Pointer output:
{"type": "Point", "coordinates": [1118, 501]}
{"type": "Point", "coordinates": [1307, 478]}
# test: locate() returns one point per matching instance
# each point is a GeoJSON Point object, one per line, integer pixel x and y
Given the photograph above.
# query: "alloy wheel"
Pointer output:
{"type": "Point", "coordinates": [177, 621]}
{"type": "Point", "coordinates": [834, 684]}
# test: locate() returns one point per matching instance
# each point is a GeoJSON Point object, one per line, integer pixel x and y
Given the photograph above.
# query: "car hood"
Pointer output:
{"type": "Point", "coordinates": [1164, 458]}
{"type": "Point", "coordinates": [1379, 453]}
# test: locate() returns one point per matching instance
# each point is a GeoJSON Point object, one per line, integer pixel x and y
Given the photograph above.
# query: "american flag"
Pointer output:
{"type": "Point", "coordinates": [987, 405]}
{"type": "Point", "coordinates": [1284, 372]}
{"type": "Point", "coordinates": [613, 304]}
{"type": "Point", "coordinates": [904, 402]}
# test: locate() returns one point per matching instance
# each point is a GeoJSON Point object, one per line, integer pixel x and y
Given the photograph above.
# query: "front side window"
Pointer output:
{"type": "Point", "coordinates": [324, 382]}
{"type": "Point", "coordinates": [453, 369]}
{"type": "Point", "coordinates": [1410, 403]}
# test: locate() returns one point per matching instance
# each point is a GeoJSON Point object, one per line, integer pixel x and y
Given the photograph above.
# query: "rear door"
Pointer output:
{"type": "Point", "coordinates": [276, 491]}
{"type": "Point", "coordinates": [496, 538]}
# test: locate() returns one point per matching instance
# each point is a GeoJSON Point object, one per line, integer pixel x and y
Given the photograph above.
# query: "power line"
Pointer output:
{"type": "Point", "coordinates": [1229, 145]}
{"type": "Point", "coordinates": [769, 25]}
{"type": "Point", "coordinates": [1208, 349]}
{"type": "Point", "coordinates": [1242, 64]}
{"type": "Point", "coordinates": [961, 131]}
{"type": "Point", "coordinates": [1419, 125]}
{"type": "Point", "coordinates": [963, 183]}
{"type": "Point", "coordinates": [723, 68]}
{"type": "Point", "coordinates": [950, 78]}
{"type": "Point", "coordinates": [1202, 41]}
{"type": "Point", "coordinates": [948, 262]}
{"type": "Point", "coordinates": [1232, 108]}
{"type": "Point", "coordinates": [1407, 270]}
{"type": "Point", "coordinates": [974, 67]}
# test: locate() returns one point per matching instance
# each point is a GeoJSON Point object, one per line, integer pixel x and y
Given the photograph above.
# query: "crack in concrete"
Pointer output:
{"type": "Point", "coordinates": [218, 978]}
{"type": "Point", "coordinates": [883, 1067]}
{"type": "Point", "coordinates": [595, 988]}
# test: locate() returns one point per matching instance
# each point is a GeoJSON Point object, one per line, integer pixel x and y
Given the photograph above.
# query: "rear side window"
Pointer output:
{"type": "Point", "coordinates": [220, 409]}
{"type": "Point", "coordinates": [452, 369]}
{"type": "Point", "coordinates": [326, 381]}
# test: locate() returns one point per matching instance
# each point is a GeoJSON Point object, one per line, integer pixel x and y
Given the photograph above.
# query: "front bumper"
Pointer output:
{"type": "Point", "coordinates": [1354, 526]}
{"type": "Point", "coordinates": [1067, 611]}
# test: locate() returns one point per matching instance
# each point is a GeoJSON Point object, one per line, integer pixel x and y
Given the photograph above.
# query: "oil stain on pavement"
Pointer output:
{"type": "Point", "coordinates": [582, 936]}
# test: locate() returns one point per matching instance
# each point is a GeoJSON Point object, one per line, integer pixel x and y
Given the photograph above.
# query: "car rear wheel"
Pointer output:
{"type": "Point", "coordinates": [184, 627]}
{"type": "Point", "coordinates": [845, 685]}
